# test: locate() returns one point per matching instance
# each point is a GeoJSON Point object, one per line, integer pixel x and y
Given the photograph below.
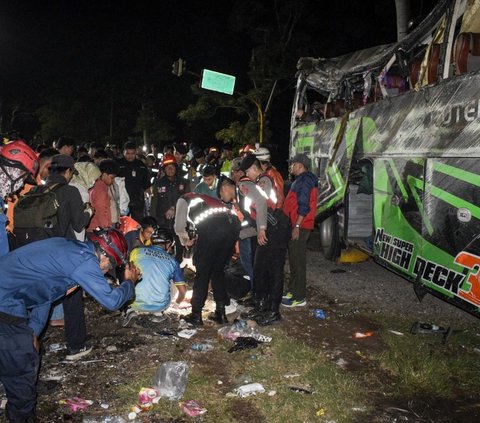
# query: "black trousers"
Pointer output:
{"type": "Point", "coordinates": [269, 262]}
{"type": "Point", "coordinates": [18, 370]}
{"type": "Point", "coordinates": [74, 316]}
{"type": "Point", "coordinates": [215, 246]}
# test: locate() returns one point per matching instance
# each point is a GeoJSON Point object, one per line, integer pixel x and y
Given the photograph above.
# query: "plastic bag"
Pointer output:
{"type": "Point", "coordinates": [104, 419]}
{"type": "Point", "coordinates": [171, 379]}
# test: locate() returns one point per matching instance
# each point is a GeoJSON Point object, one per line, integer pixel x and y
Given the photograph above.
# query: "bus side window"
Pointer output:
{"type": "Point", "coordinates": [467, 53]}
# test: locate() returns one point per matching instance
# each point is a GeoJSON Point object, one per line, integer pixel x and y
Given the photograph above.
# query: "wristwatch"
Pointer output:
{"type": "Point", "coordinates": [297, 225]}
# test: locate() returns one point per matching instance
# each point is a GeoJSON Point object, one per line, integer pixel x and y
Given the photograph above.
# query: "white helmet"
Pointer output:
{"type": "Point", "coordinates": [262, 154]}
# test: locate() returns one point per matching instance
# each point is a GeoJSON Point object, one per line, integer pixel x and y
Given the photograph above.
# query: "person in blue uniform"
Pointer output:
{"type": "Point", "coordinates": [31, 279]}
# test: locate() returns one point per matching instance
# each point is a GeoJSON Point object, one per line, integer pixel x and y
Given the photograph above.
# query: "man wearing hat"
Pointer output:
{"type": "Point", "coordinates": [300, 206]}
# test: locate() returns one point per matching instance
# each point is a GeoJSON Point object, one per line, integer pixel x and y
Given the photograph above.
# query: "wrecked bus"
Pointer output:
{"type": "Point", "coordinates": [393, 133]}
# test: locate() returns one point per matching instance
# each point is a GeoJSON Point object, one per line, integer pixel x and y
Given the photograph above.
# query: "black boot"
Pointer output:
{"type": "Point", "coordinates": [219, 316]}
{"type": "Point", "coordinates": [194, 318]}
{"type": "Point", "coordinates": [270, 317]}
{"type": "Point", "coordinates": [260, 307]}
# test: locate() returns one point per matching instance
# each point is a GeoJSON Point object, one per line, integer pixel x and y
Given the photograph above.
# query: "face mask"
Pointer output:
{"type": "Point", "coordinates": [11, 180]}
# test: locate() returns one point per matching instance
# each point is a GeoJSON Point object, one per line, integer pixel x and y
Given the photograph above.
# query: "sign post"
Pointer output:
{"type": "Point", "coordinates": [216, 81]}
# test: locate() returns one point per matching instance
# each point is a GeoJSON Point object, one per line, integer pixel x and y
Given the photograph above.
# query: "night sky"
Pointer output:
{"type": "Point", "coordinates": [62, 50]}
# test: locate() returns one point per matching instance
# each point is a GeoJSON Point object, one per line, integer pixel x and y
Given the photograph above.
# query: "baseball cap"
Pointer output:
{"type": "Point", "coordinates": [247, 162]}
{"type": "Point", "coordinates": [300, 158]}
{"type": "Point", "coordinates": [64, 160]}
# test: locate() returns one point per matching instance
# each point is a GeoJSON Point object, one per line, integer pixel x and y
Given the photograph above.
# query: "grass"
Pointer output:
{"type": "Point", "coordinates": [420, 365]}
{"type": "Point", "coordinates": [335, 391]}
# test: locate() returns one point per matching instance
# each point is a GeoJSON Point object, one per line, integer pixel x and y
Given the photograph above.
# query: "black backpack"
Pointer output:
{"type": "Point", "coordinates": [35, 215]}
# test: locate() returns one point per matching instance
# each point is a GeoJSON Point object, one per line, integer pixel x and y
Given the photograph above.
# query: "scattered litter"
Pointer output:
{"type": "Point", "coordinates": [3, 404]}
{"type": "Point", "coordinates": [361, 409]}
{"type": "Point", "coordinates": [171, 379]}
{"type": "Point", "coordinates": [341, 363]}
{"type": "Point", "coordinates": [250, 389]}
{"type": "Point", "coordinates": [219, 382]}
{"type": "Point", "coordinates": [202, 347]}
{"type": "Point", "coordinates": [57, 347]}
{"type": "Point", "coordinates": [104, 406]}
{"type": "Point", "coordinates": [132, 415]}
{"type": "Point", "coordinates": [272, 393]}
{"type": "Point", "coordinates": [429, 328]}
{"type": "Point", "coordinates": [82, 362]}
{"type": "Point", "coordinates": [360, 335]}
{"type": "Point", "coordinates": [76, 403]}
{"type": "Point", "coordinates": [320, 412]}
{"type": "Point", "coordinates": [338, 271]}
{"type": "Point", "coordinates": [476, 350]}
{"type": "Point", "coordinates": [395, 332]}
{"type": "Point", "coordinates": [318, 313]}
{"type": "Point", "coordinates": [300, 390]}
{"type": "Point", "coordinates": [253, 357]}
{"type": "Point", "coordinates": [242, 328]}
{"type": "Point", "coordinates": [187, 333]}
{"type": "Point", "coordinates": [192, 408]}
{"type": "Point", "coordinates": [290, 375]}
{"type": "Point", "coordinates": [112, 348]}
{"type": "Point", "coordinates": [148, 395]}
{"type": "Point", "coordinates": [166, 333]}
{"type": "Point", "coordinates": [104, 419]}
{"type": "Point", "coordinates": [244, 343]}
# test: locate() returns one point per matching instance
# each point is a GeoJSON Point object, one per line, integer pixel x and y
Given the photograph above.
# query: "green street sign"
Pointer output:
{"type": "Point", "coordinates": [216, 81]}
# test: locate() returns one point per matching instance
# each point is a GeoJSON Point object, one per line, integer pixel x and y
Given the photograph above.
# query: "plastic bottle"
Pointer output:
{"type": "Point", "coordinates": [202, 347]}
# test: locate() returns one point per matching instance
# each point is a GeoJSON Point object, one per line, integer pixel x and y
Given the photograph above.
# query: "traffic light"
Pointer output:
{"type": "Point", "coordinates": [179, 67]}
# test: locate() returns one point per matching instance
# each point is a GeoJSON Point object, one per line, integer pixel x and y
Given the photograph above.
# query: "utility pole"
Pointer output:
{"type": "Point", "coordinates": [402, 8]}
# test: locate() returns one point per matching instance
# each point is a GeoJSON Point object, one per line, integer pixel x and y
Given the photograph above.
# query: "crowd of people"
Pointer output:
{"type": "Point", "coordinates": [117, 225]}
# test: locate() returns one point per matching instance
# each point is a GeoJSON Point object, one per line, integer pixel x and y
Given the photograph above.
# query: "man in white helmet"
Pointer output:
{"type": "Point", "coordinates": [263, 155]}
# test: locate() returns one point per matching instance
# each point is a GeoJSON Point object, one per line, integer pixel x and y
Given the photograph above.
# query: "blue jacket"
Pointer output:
{"type": "Point", "coordinates": [34, 276]}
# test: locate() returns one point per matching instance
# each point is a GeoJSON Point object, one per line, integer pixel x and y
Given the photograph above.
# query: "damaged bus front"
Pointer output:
{"type": "Point", "coordinates": [393, 133]}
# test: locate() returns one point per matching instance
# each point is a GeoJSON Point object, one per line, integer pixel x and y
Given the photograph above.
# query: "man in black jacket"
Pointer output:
{"type": "Point", "coordinates": [73, 215]}
{"type": "Point", "coordinates": [137, 180]}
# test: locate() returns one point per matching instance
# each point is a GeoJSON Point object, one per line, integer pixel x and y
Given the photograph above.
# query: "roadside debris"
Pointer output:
{"type": "Point", "coordinates": [318, 313]}
{"type": "Point", "coordinates": [57, 347]}
{"type": "Point", "coordinates": [244, 343]}
{"type": "Point", "coordinates": [187, 333]}
{"type": "Point", "coordinates": [242, 328]}
{"type": "Point", "coordinates": [360, 335]}
{"type": "Point", "coordinates": [431, 329]}
{"type": "Point", "coordinates": [320, 412]}
{"type": "Point", "coordinates": [104, 419]}
{"type": "Point", "coordinates": [248, 390]}
{"type": "Point", "coordinates": [202, 347]}
{"type": "Point", "coordinates": [396, 332]}
{"type": "Point", "coordinates": [192, 408]}
{"type": "Point", "coordinates": [76, 403]}
{"type": "Point", "coordinates": [171, 379]}
{"type": "Point", "coordinates": [301, 390]}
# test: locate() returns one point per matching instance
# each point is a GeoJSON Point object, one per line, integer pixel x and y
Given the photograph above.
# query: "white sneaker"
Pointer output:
{"type": "Point", "coordinates": [232, 308]}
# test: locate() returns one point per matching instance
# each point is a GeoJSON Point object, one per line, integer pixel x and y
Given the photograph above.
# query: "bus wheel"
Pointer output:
{"type": "Point", "coordinates": [329, 237]}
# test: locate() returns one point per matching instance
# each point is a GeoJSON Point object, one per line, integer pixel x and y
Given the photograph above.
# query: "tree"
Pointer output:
{"type": "Point", "coordinates": [271, 26]}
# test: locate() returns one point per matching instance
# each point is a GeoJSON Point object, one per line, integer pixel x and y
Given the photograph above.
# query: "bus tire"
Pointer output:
{"type": "Point", "coordinates": [330, 237]}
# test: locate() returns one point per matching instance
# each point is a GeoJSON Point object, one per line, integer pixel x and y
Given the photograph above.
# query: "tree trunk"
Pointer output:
{"type": "Point", "coordinates": [403, 15]}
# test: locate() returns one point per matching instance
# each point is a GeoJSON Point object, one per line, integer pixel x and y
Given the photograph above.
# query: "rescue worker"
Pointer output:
{"type": "Point", "coordinates": [263, 156]}
{"type": "Point", "coordinates": [18, 164]}
{"type": "Point", "coordinates": [32, 278]}
{"type": "Point", "coordinates": [273, 236]}
{"type": "Point", "coordinates": [216, 226]}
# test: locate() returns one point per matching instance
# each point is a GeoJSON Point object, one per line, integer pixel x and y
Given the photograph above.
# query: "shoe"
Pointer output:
{"type": "Point", "coordinates": [268, 318]}
{"type": "Point", "coordinates": [219, 317]}
{"type": "Point", "coordinates": [287, 296]}
{"type": "Point", "coordinates": [248, 296]}
{"type": "Point", "coordinates": [194, 318]}
{"type": "Point", "coordinates": [129, 314]}
{"type": "Point", "coordinates": [76, 354]}
{"type": "Point", "coordinates": [232, 308]}
{"type": "Point", "coordinates": [261, 306]}
{"type": "Point", "coordinates": [294, 303]}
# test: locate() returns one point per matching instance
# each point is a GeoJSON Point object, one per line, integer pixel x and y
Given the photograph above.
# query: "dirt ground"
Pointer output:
{"type": "Point", "coordinates": [347, 293]}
